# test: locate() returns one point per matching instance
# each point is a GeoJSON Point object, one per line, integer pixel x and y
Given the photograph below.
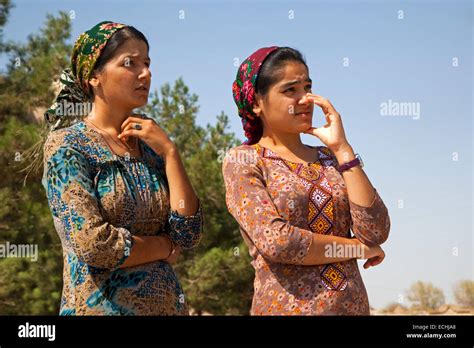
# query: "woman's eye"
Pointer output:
{"type": "Point", "coordinates": [128, 62]}
{"type": "Point", "coordinates": [291, 89]}
{"type": "Point", "coordinates": [147, 64]}
{"type": "Point", "coordinates": [308, 88]}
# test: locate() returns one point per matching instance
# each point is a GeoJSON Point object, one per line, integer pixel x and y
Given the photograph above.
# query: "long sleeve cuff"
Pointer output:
{"type": "Point", "coordinates": [371, 225]}
{"type": "Point", "coordinates": [186, 230]}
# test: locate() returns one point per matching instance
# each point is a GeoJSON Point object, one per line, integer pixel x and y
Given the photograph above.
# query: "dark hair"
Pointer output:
{"type": "Point", "coordinates": [271, 70]}
{"type": "Point", "coordinates": [113, 44]}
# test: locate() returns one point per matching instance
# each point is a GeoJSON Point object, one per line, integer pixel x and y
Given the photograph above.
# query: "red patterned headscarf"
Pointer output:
{"type": "Point", "coordinates": [243, 90]}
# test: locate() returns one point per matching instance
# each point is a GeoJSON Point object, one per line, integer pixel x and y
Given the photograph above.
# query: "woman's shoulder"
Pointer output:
{"type": "Point", "coordinates": [65, 138]}
{"type": "Point", "coordinates": [244, 148]}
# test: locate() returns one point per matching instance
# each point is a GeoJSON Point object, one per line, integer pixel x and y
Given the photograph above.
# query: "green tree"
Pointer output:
{"type": "Point", "coordinates": [5, 7]}
{"type": "Point", "coordinates": [464, 293]}
{"type": "Point", "coordinates": [28, 287]}
{"type": "Point", "coordinates": [425, 296]}
{"type": "Point", "coordinates": [28, 82]}
{"type": "Point", "coordinates": [219, 282]}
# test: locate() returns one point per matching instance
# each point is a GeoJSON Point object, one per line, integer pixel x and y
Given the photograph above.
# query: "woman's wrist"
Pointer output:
{"type": "Point", "coordinates": [165, 150]}
{"type": "Point", "coordinates": [344, 153]}
{"type": "Point", "coordinates": [166, 246]}
{"type": "Point", "coordinates": [363, 250]}
{"type": "Point", "coordinates": [170, 150]}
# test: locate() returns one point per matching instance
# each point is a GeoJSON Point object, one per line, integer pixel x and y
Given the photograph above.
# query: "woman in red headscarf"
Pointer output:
{"type": "Point", "coordinates": [295, 203]}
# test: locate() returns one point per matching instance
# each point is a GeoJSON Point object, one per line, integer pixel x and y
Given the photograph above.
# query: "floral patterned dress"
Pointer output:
{"type": "Point", "coordinates": [279, 205]}
{"type": "Point", "coordinates": [99, 200]}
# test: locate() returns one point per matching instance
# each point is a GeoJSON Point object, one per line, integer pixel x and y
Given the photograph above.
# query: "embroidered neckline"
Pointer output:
{"type": "Point", "coordinates": [294, 166]}
{"type": "Point", "coordinates": [114, 156]}
{"type": "Point", "coordinates": [267, 153]}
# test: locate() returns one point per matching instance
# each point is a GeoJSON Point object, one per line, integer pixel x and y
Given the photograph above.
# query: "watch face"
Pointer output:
{"type": "Point", "coordinates": [360, 159]}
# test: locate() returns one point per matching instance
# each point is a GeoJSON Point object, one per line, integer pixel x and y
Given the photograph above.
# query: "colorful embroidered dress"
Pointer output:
{"type": "Point", "coordinates": [279, 205]}
{"type": "Point", "coordinates": [98, 201]}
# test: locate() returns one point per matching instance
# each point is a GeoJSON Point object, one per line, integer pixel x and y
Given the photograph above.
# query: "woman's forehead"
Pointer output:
{"type": "Point", "coordinates": [133, 48]}
{"type": "Point", "coordinates": [294, 73]}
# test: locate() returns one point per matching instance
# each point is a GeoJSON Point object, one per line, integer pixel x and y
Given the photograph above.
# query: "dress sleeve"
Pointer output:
{"type": "Point", "coordinates": [250, 204]}
{"type": "Point", "coordinates": [75, 209]}
{"type": "Point", "coordinates": [186, 230]}
{"type": "Point", "coordinates": [371, 225]}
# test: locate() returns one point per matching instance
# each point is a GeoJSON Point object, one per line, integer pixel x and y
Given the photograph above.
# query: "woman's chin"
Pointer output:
{"type": "Point", "coordinates": [304, 126]}
{"type": "Point", "coordinates": [138, 103]}
{"type": "Point", "coordinates": [299, 129]}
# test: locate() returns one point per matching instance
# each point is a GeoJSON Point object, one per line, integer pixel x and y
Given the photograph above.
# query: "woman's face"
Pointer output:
{"type": "Point", "coordinates": [125, 79]}
{"type": "Point", "coordinates": [285, 108]}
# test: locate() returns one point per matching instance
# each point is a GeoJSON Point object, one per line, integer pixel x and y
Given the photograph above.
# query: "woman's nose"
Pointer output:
{"type": "Point", "coordinates": [304, 100]}
{"type": "Point", "coordinates": [145, 73]}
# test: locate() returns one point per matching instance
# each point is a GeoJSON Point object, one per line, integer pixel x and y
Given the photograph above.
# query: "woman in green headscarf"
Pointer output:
{"type": "Point", "coordinates": [118, 192]}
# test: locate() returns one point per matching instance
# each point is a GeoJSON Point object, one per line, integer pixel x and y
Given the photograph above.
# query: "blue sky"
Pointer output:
{"type": "Point", "coordinates": [409, 159]}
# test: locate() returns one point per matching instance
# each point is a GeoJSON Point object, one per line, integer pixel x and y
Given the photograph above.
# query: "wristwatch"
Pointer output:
{"type": "Point", "coordinates": [350, 164]}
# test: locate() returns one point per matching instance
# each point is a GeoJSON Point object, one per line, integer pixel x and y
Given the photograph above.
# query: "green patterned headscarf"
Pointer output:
{"type": "Point", "coordinates": [72, 102]}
